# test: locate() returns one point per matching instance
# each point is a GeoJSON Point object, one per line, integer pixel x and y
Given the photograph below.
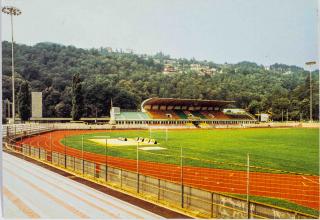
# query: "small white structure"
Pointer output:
{"type": "Point", "coordinates": [234, 110]}
{"type": "Point", "coordinates": [264, 117]}
{"type": "Point", "coordinates": [113, 112]}
{"type": "Point", "coordinates": [36, 105]}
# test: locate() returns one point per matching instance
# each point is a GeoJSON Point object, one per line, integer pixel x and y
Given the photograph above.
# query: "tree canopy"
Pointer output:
{"type": "Point", "coordinates": [77, 98]}
{"type": "Point", "coordinates": [24, 101]}
{"type": "Point", "coordinates": [129, 78]}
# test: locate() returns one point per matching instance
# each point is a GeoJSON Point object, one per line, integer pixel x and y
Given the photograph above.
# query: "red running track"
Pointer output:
{"type": "Point", "coordinates": [303, 190]}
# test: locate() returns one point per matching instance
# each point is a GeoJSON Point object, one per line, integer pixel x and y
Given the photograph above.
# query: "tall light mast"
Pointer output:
{"type": "Point", "coordinates": [12, 11]}
{"type": "Point", "coordinates": [309, 64]}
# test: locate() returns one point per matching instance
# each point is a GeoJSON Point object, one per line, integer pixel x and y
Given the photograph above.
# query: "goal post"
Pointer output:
{"type": "Point", "coordinates": [159, 134]}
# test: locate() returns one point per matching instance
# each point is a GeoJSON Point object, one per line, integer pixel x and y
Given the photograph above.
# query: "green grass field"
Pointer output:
{"type": "Point", "coordinates": [293, 149]}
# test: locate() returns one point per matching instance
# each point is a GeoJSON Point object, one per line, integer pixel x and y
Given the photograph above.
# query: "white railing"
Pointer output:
{"type": "Point", "coordinates": [20, 129]}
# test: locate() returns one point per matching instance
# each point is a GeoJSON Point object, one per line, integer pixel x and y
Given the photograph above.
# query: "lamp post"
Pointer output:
{"type": "Point", "coordinates": [310, 78]}
{"type": "Point", "coordinates": [12, 11]}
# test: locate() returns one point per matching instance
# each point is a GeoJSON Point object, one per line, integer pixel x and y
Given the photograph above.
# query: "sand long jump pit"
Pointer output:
{"type": "Point", "coordinates": [116, 142]}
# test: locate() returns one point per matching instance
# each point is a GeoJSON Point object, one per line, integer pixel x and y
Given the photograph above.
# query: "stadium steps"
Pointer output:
{"type": "Point", "coordinates": [219, 115]}
{"type": "Point", "coordinates": [207, 114]}
{"type": "Point", "coordinates": [159, 114]}
{"type": "Point", "coordinates": [181, 114]}
{"type": "Point", "coordinates": [244, 116]}
{"type": "Point", "coordinates": [132, 116]}
{"type": "Point", "coordinates": [251, 116]}
{"type": "Point", "coordinates": [198, 114]}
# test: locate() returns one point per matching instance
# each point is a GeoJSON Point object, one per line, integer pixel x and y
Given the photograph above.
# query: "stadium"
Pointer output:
{"type": "Point", "coordinates": [208, 112]}
{"type": "Point", "coordinates": [197, 157]}
{"type": "Point", "coordinates": [181, 112]}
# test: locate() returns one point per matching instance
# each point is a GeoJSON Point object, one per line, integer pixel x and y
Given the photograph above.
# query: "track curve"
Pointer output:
{"type": "Point", "coordinates": [303, 190]}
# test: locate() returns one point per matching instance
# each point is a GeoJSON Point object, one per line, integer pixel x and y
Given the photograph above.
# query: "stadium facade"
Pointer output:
{"type": "Point", "coordinates": [162, 112]}
{"type": "Point", "coordinates": [172, 111]}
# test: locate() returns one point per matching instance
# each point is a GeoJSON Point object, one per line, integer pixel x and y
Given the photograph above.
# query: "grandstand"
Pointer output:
{"type": "Point", "coordinates": [171, 111]}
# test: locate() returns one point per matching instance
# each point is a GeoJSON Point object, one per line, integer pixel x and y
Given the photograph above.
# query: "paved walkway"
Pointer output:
{"type": "Point", "coordinates": [30, 191]}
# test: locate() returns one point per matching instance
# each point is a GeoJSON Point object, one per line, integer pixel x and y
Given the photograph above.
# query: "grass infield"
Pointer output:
{"type": "Point", "coordinates": [293, 149]}
{"type": "Point", "coordinates": [288, 149]}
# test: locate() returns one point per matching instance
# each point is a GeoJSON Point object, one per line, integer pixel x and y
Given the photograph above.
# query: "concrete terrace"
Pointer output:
{"type": "Point", "coordinates": [30, 191]}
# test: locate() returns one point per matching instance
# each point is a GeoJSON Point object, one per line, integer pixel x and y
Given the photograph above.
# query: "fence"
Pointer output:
{"type": "Point", "coordinates": [23, 129]}
{"type": "Point", "coordinates": [179, 191]}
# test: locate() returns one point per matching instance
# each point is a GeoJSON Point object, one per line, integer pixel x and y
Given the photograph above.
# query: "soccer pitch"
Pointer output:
{"type": "Point", "coordinates": [288, 149]}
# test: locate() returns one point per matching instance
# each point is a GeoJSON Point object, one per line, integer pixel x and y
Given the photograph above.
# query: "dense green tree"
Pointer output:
{"type": "Point", "coordinates": [62, 110]}
{"type": "Point", "coordinates": [130, 78]}
{"type": "Point", "coordinates": [254, 107]}
{"type": "Point", "coordinates": [24, 102]}
{"type": "Point", "coordinates": [77, 98]}
{"type": "Point", "coordinates": [51, 98]}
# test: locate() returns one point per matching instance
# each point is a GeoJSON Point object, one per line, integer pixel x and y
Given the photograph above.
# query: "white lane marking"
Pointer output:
{"type": "Point", "coordinates": [309, 180]}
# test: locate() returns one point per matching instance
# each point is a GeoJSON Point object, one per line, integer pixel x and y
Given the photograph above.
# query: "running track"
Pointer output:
{"type": "Point", "coordinates": [303, 190]}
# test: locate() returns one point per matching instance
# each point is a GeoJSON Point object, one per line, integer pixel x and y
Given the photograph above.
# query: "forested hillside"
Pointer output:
{"type": "Point", "coordinates": [129, 78]}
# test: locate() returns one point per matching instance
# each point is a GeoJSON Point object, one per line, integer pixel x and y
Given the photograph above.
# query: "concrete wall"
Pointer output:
{"type": "Point", "coordinates": [36, 104]}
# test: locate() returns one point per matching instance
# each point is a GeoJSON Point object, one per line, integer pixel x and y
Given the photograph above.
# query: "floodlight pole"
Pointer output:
{"type": "Point", "coordinates": [182, 187]}
{"type": "Point", "coordinates": [65, 152]}
{"type": "Point", "coordinates": [12, 11]}
{"type": "Point", "coordinates": [96, 115]}
{"type": "Point", "coordinates": [12, 70]}
{"type": "Point", "coordinates": [51, 145]}
{"type": "Point", "coordinates": [82, 155]}
{"type": "Point", "coordinates": [138, 177]}
{"type": "Point", "coordinates": [106, 154]}
{"type": "Point", "coordinates": [310, 78]}
{"type": "Point", "coordinates": [248, 185]}
{"type": "Point", "coordinates": [166, 135]}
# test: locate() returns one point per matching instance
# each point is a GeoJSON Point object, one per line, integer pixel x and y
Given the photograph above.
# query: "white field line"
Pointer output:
{"type": "Point", "coordinates": [310, 180]}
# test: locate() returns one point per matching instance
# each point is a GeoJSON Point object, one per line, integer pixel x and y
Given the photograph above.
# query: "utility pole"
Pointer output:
{"type": "Point", "coordinates": [96, 115]}
{"type": "Point", "coordinates": [82, 155]}
{"type": "Point", "coordinates": [138, 177]}
{"type": "Point", "coordinates": [12, 11]}
{"type": "Point", "coordinates": [248, 186]}
{"type": "Point", "coordinates": [310, 78]}
{"type": "Point", "coordinates": [181, 176]}
{"type": "Point", "coordinates": [106, 155]}
{"type": "Point", "coordinates": [51, 145]}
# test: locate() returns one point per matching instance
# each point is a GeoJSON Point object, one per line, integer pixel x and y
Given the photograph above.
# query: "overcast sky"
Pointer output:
{"type": "Point", "coordinates": [262, 31]}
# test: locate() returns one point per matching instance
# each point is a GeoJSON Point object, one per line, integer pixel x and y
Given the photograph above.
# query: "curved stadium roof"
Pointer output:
{"type": "Point", "coordinates": [185, 102]}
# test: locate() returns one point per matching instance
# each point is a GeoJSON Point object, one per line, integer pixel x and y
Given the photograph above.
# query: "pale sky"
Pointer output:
{"type": "Point", "coordinates": [262, 31]}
